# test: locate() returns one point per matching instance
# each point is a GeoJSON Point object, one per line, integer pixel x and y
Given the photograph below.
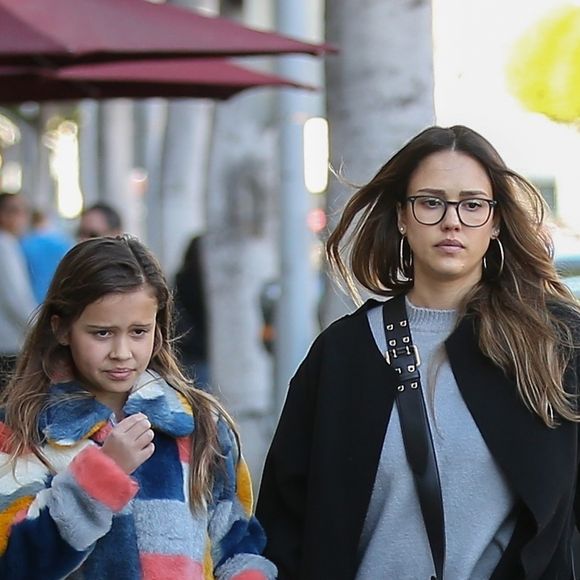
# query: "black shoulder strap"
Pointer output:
{"type": "Point", "coordinates": [403, 356]}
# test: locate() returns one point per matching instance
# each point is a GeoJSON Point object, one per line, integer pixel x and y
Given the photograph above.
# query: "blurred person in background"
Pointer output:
{"type": "Point", "coordinates": [99, 219]}
{"type": "Point", "coordinates": [191, 314]}
{"type": "Point", "coordinates": [44, 246]}
{"type": "Point", "coordinates": [17, 302]}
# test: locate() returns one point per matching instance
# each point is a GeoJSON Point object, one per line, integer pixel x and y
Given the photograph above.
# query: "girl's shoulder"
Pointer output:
{"type": "Point", "coordinates": [5, 434]}
{"type": "Point", "coordinates": [228, 440]}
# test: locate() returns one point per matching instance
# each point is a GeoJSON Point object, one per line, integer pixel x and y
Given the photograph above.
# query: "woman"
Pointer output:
{"type": "Point", "coordinates": [458, 240]}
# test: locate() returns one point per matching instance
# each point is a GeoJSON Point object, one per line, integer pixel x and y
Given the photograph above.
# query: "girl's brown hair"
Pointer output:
{"type": "Point", "coordinates": [516, 308]}
{"type": "Point", "coordinates": [88, 272]}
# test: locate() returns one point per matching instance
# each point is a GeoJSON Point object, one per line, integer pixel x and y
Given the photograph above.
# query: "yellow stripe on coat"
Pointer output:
{"type": "Point", "coordinates": [7, 518]}
{"type": "Point", "coordinates": [208, 562]}
{"type": "Point", "coordinates": [244, 492]}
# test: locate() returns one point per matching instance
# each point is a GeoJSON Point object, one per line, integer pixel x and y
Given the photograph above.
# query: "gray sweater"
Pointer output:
{"type": "Point", "coordinates": [477, 500]}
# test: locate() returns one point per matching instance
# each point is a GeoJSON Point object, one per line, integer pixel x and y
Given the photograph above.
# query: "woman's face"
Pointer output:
{"type": "Point", "coordinates": [448, 251]}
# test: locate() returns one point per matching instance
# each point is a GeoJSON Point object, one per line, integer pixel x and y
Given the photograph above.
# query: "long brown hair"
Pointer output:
{"type": "Point", "coordinates": [89, 271]}
{"type": "Point", "coordinates": [523, 300]}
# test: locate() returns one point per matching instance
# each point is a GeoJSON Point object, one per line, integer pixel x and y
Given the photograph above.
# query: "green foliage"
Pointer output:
{"type": "Point", "coordinates": [544, 69]}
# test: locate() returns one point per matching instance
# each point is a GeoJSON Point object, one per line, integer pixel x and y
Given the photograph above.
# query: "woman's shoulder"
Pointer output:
{"type": "Point", "coordinates": [567, 313]}
{"type": "Point", "coordinates": [344, 333]}
{"type": "Point", "coordinates": [352, 320]}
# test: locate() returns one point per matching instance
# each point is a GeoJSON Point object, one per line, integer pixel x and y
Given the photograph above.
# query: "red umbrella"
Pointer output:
{"type": "Point", "coordinates": [208, 78]}
{"type": "Point", "coordinates": [57, 32]}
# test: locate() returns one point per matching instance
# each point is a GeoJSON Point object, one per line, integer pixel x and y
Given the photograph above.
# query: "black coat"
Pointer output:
{"type": "Point", "coordinates": [320, 470]}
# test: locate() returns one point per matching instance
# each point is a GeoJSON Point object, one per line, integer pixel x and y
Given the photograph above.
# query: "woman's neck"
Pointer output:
{"type": "Point", "coordinates": [442, 296]}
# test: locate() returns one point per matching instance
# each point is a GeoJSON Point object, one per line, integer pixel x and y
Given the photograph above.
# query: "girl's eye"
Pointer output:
{"type": "Point", "coordinates": [102, 333]}
{"type": "Point", "coordinates": [140, 331]}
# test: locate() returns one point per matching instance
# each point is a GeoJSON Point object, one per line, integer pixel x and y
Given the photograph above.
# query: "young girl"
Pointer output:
{"type": "Point", "coordinates": [111, 464]}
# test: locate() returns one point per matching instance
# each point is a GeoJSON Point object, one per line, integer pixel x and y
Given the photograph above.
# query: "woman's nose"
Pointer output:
{"type": "Point", "coordinates": [451, 217]}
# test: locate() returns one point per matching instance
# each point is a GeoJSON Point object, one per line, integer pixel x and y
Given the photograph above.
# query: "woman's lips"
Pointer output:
{"type": "Point", "coordinates": [451, 246]}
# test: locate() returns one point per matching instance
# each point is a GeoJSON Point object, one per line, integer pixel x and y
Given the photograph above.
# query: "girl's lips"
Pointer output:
{"type": "Point", "coordinates": [119, 374]}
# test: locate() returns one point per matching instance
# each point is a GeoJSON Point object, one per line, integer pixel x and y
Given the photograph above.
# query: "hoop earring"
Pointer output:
{"type": "Point", "coordinates": [501, 259]}
{"type": "Point", "coordinates": [405, 264]}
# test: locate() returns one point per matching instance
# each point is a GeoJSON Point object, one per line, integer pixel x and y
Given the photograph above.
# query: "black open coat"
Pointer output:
{"type": "Point", "coordinates": [321, 467]}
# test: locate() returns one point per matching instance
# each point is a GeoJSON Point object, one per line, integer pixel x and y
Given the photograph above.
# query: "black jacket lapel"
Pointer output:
{"type": "Point", "coordinates": [366, 397]}
{"type": "Point", "coordinates": [535, 459]}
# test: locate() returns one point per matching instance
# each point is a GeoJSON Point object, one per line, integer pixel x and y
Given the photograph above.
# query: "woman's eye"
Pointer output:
{"type": "Point", "coordinates": [432, 203]}
{"type": "Point", "coordinates": [140, 331]}
{"type": "Point", "coordinates": [473, 204]}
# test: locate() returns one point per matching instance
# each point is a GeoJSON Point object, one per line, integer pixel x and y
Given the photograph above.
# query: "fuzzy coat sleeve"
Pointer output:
{"type": "Point", "coordinates": [237, 539]}
{"type": "Point", "coordinates": [49, 524]}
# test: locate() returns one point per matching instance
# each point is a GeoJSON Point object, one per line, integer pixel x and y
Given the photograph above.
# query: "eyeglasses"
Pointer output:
{"type": "Point", "coordinates": [473, 212]}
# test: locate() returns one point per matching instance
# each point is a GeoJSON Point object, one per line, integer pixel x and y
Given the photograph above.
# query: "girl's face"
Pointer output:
{"type": "Point", "coordinates": [111, 343]}
{"type": "Point", "coordinates": [448, 250]}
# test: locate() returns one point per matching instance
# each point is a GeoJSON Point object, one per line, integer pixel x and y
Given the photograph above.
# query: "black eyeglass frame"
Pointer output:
{"type": "Point", "coordinates": [492, 204]}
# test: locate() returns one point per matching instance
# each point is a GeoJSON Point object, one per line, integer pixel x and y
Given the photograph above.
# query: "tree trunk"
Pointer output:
{"type": "Point", "coordinates": [89, 150]}
{"type": "Point", "coordinates": [379, 94]}
{"type": "Point", "coordinates": [242, 255]}
{"type": "Point", "coordinates": [183, 178]}
{"type": "Point", "coordinates": [116, 157]}
{"type": "Point", "coordinates": [176, 199]}
{"type": "Point", "coordinates": [241, 258]}
{"type": "Point", "coordinates": [150, 124]}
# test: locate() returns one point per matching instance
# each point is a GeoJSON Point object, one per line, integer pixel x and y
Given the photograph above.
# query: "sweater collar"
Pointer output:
{"type": "Point", "coordinates": [73, 414]}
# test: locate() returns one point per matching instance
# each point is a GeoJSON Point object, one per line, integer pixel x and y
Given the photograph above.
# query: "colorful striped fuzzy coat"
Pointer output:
{"type": "Point", "coordinates": [91, 521]}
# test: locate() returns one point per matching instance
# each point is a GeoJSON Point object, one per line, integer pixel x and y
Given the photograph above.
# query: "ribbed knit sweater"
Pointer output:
{"type": "Point", "coordinates": [477, 500]}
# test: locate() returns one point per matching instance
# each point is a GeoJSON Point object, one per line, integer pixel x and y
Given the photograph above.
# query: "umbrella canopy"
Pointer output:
{"type": "Point", "coordinates": [207, 78]}
{"type": "Point", "coordinates": [58, 32]}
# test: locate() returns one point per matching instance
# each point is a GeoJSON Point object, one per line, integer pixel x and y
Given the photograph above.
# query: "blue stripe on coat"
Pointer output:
{"type": "Point", "coordinates": [161, 476]}
{"type": "Point", "coordinates": [114, 552]}
{"type": "Point", "coordinates": [36, 550]}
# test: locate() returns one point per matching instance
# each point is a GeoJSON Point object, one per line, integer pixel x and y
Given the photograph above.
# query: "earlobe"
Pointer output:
{"type": "Point", "coordinates": [157, 342]}
{"type": "Point", "coordinates": [57, 331]}
{"type": "Point", "coordinates": [400, 221]}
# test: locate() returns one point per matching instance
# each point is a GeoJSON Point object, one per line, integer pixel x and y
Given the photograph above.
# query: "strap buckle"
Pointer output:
{"type": "Point", "coordinates": [393, 353]}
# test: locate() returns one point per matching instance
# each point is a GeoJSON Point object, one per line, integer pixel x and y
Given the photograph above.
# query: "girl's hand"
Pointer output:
{"type": "Point", "coordinates": [130, 443]}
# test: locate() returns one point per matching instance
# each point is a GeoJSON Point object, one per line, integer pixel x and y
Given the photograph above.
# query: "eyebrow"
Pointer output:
{"type": "Point", "coordinates": [464, 192]}
{"type": "Point", "coordinates": [113, 327]}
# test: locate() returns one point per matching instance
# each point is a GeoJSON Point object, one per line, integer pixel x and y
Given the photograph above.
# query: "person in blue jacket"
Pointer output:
{"type": "Point", "coordinates": [44, 246]}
